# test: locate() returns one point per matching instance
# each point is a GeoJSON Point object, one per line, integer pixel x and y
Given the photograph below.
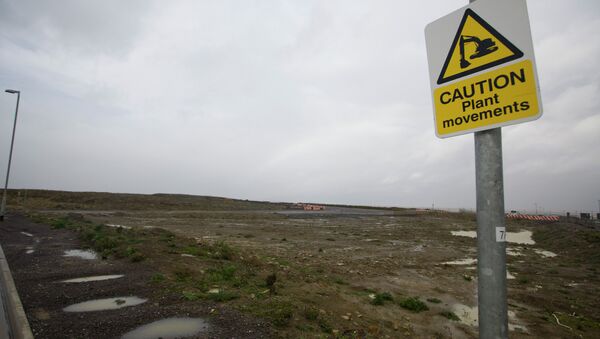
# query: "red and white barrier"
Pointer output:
{"type": "Point", "coordinates": [533, 217]}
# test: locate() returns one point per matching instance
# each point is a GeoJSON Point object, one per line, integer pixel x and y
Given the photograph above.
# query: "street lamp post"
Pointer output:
{"type": "Point", "coordinates": [12, 141]}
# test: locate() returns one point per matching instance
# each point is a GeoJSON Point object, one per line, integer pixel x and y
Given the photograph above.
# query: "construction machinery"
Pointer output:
{"type": "Point", "coordinates": [483, 47]}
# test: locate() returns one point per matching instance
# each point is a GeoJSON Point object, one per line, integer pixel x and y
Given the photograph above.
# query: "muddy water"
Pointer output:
{"type": "Point", "coordinates": [104, 304]}
{"type": "Point", "coordinates": [88, 255]}
{"type": "Point", "coordinates": [545, 254]}
{"type": "Point", "coordinates": [468, 261]}
{"type": "Point", "coordinates": [169, 328]}
{"type": "Point", "coordinates": [94, 278]}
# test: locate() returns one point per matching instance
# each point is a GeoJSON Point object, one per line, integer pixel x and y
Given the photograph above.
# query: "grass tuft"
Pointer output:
{"type": "Point", "coordinates": [413, 304]}
{"type": "Point", "coordinates": [381, 298]}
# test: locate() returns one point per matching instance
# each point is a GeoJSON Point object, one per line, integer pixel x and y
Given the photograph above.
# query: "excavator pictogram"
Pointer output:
{"type": "Point", "coordinates": [483, 47]}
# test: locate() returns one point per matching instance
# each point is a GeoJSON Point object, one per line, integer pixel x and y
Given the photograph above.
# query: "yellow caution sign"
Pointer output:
{"type": "Point", "coordinates": [491, 99]}
{"type": "Point", "coordinates": [482, 68]}
{"type": "Point", "coordinates": [477, 46]}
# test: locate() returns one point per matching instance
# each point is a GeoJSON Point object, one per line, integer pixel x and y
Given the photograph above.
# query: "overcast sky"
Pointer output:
{"type": "Point", "coordinates": [323, 101]}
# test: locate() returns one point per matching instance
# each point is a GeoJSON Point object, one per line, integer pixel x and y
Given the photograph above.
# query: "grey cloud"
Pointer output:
{"type": "Point", "coordinates": [320, 101]}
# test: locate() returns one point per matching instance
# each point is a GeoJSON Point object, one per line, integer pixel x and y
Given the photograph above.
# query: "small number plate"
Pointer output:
{"type": "Point", "coordinates": [500, 234]}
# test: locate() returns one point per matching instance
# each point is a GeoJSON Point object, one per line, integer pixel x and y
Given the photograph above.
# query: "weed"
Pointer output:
{"type": "Point", "coordinates": [130, 251]}
{"type": "Point", "coordinates": [523, 280]}
{"type": "Point", "coordinates": [413, 304]}
{"type": "Point", "coordinates": [467, 277]}
{"type": "Point", "coordinates": [381, 298]}
{"type": "Point", "coordinates": [192, 250]}
{"type": "Point", "coordinates": [191, 296]}
{"type": "Point", "coordinates": [59, 223]}
{"type": "Point", "coordinates": [225, 273]}
{"type": "Point", "coordinates": [281, 315]}
{"type": "Point", "coordinates": [156, 278]}
{"type": "Point", "coordinates": [450, 315]}
{"type": "Point", "coordinates": [325, 327]}
{"type": "Point", "coordinates": [311, 313]}
{"type": "Point", "coordinates": [222, 251]}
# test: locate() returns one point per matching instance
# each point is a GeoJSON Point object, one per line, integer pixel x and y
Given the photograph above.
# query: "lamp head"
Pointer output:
{"type": "Point", "coordinates": [12, 91]}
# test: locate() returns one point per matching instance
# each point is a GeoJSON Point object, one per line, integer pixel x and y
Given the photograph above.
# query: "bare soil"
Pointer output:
{"type": "Point", "coordinates": [328, 266]}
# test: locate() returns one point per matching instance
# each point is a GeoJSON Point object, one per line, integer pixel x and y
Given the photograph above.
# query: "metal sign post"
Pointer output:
{"type": "Point", "coordinates": [491, 235]}
{"type": "Point", "coordinates": [483, 77]}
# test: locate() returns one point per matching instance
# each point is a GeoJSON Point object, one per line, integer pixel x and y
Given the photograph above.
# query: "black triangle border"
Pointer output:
{"type": "Point", "coordinates": [469, 12]}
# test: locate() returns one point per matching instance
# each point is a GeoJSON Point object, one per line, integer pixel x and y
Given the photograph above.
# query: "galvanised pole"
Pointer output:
{"type": "Point", "coordinates": [491, 235]}
{"type": "Point", "coordinates": [12, 141]}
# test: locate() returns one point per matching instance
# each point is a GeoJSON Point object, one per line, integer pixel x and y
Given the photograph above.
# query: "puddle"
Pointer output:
{"type": "Point", "coordinates": [522, 238]}
{"type": "Point", "coordinates": [470, 234]}
{"type": "Point", "coordinates": [30, 251]}
{"type": "Point", "coordinates": [94, 278]}
{"type": "Point", "coordinates": [468, 261]}
{"type": "Point", "coordinates": [187, 255]}
{"type": "Point", "coordinates": [104, 304]}
{"type": "Point", "coordinates": [119, 226]}
{"type": "Point", "coordinates": [88, 255]}
{"type": "Point", "coordinates": [27, 234]}
{"type": "Point", "coordinates": [514, 252]}
{"type": "Point", "coordinates": [169, 328]}
{"type": "Point", "coordinates": [470, 316]}
{"type": "Point", "coordinates": [509, 275]}
{"type": "Point", "coordinates": [518, 328]}
{"type": "Point", "coordinates": [545, 254]}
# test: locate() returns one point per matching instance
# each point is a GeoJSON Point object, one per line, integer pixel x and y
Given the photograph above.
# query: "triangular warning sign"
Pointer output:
{"type": "Point", "coordinates": [476, 46]}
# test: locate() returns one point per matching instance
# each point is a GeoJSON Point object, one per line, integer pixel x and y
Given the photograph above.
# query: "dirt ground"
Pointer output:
{"type": "Point", "coordinates": [38, 277]}
{"type": "Point", "coordinates": [333, 262]}
{"type": "Point", "coordinates": [405, 255]}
